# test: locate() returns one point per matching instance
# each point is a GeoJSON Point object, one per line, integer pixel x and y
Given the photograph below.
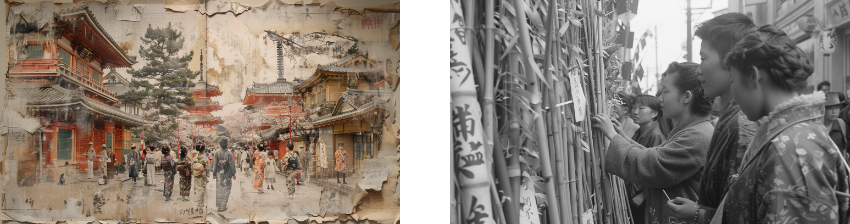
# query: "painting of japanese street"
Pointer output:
{"type": "Point", "coordinates": [208, 112]}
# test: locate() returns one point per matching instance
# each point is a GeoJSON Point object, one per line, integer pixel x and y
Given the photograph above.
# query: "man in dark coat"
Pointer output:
{"type": "Point", "coordinates": [224, 171]}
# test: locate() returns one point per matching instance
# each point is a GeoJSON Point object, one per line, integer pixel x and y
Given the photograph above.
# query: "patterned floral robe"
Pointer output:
{"type": "Point", "coordinates": [289, 174]}
{"type": "Point", "coordinates": [185, 181]}
{"type": "Point", "coordinates": [200, 178]}
{"type": "Point", "coordinates": [791, 170]}
{"type": "Point", "coordinates": [259, 175]}
{"type": "Point", "coordinates": [339, 159]}
{"type": "Point", "coordinates": [169, 176]}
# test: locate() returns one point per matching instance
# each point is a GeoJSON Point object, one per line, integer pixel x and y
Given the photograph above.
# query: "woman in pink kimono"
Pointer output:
{"type": "Point", "coordinates": [792, 172]}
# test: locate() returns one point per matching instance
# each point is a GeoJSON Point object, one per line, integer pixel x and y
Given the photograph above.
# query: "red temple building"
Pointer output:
{"type": "Point", "coordinates": [277, 100]}
{"type": "Point", "coordinates": [201, 113]}
{"type": "Point", "coordinates": [59, 75]}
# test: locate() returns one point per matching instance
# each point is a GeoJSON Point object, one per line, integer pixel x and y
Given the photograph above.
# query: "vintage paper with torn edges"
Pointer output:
{"type": "Point", "coordinates": [262, 58]}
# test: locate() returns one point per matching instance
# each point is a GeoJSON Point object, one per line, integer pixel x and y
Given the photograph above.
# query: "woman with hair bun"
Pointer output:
{"type": "Point", "coordinates": [791, 172]}
{"type": "Point", "coordinates": [674, 167]}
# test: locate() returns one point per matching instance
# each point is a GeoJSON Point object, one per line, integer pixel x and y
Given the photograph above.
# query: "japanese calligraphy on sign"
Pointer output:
{"type": "Point", "coordinates": [839, 12]}
{"type": "Point", "coordinates": [579, 100]}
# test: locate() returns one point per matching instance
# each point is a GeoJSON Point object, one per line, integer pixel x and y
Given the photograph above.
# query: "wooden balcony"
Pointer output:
{"type": "Point", "coordinates": [55, 67]}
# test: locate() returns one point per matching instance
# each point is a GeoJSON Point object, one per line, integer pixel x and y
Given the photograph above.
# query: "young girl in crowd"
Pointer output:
{"type": "Point", "coordinates": [646, 113]}
{"type": "Point", "coordinates": [674, 167]}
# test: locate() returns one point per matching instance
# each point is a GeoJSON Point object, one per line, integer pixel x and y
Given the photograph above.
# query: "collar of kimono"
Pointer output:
{"type": "Point", "coordinates": [686, 124]}
{"type": "Point", "coordinates": [798, 109]}
{"type": "Point", "coordinates": [802, 106]}
{"type": "Point", "coordinates": [648, 130]}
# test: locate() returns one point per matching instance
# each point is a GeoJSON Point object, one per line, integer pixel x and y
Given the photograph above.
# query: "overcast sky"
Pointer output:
{"type": "Point", "coordinates": [669, 17]}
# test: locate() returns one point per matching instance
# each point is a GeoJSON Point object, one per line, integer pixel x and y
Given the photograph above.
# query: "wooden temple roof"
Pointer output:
{"type": "Point", "coordinates": [53, 97]}
{"type": "Point", "coordinates": [80, 24]}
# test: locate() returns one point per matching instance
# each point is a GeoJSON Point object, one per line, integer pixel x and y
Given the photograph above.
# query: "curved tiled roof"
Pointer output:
{"type": "Point", "coordinates": [205, 103]}
{"type": "Point", "coordinates": [278, 87]}
{"type": "Point", "coordinates": [56, 96]}
{"type": "Point", "coordinates": [203, 86]}
{"type": "Point", "coordinates": [88, 13]}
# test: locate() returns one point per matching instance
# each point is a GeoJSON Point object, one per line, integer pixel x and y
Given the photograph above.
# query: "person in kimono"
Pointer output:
{"type": "Point", "coordinates": [259, 162]}
{"type": "Point", "coordinates": [674, 167]}
{"type": "Point", "coordinates": [246, 161]}
{"type": "Point", "coordinates": [239, 157]}
{"type": "Point", "coordinates": [167, 165]}
{"type": "Point", "coordinates": [150, 167]}
{"type": "Point", "coordinates": [290, 164]}
{"type": "Point", "coordinates": [792, 172]}
{"type": "Point", "coordinates": [623, 112]}
{"type": "Point", "coordinates": [200, 175]}
{"type": "Point", "coordinates": [103, 161]}
{"type": "Point", "coordinates": [733, 132]}
{"type": "Point", "coordinates": [185, 176]}
{"type": "Point", "coordinates": [270, 170]}
{"type": "Point", "coordinates": [224, 171]}
{"type": "Point", "coordinates": [90, 157]}
{"type": "Point", "coordinates": [645, 113]}
{"type": "Point", "coordinates": [340, 161]}
{"type": "Point", "coordinates": [133, 162]}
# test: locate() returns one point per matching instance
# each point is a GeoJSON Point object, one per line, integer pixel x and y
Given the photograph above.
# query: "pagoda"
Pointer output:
{"type": "Point", "coordinates": [201, 113]}
{"type": "Point", "coordinates": [277, 100]}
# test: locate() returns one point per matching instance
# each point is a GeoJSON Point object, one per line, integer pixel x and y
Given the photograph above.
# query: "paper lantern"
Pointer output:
{"type": "Point", "coordinates": [807, 23]}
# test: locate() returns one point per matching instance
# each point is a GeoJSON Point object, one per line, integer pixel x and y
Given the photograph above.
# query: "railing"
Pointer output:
{"type": "Point", "coordinates": [77, 74]}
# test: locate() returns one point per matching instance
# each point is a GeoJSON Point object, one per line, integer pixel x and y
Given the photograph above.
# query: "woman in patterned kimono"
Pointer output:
{"type": "Point", "coordinates": [341, 164]}
{"type": "Point", "coordinates": [271, 170]}
{"type": "Point", "coordinates": [200, 175]}
{"type": "Point", "coordinates": [791, 172]}
{"type": "Point", "coordinates": [168, 171]}
{"type": "Point", "coordinates": [290, 164]}
{"type": "Point", "coordinates": [185, 176]}
{"type": "Point", "coordinates": [259, 162]}
{"type": "Point", "coordinates": [675, 166]}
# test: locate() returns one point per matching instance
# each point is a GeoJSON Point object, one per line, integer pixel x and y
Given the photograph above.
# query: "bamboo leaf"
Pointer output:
{"type": "Point", "coordinates": [509, 7]}
{"type": "Point", "coordinates": [563, 29]}
{"type": "Point", "coordinates": [529, 96]}
{"type": "Point", "coordinates": [509, 47]}
{"type": "Point", "coordinates": [576, 49]}
{"type": "Point", "coordinates": [575, 22]}
{"type": "Point", "coordinates": [533, 17]}
{"type": "Point", "coordinates": [508, 25]}
{"type": "Point", "coordinates": [521, 94]}
{"type": "Point", "coordinates": [578, 14]}
{"type": "Point", "coordinates": [531, 153]}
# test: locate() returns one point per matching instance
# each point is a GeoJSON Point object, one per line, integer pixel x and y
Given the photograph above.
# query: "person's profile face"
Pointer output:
{"type": "Point", "coordinates": [824, 88]}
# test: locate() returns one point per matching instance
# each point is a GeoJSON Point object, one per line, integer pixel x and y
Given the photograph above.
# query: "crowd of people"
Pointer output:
{"type": "Point", "coordinates": [193, 167]}
{"type": "Point", "coordinates": [773, 154]}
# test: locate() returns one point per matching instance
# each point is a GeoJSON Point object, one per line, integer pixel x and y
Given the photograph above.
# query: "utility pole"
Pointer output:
{"type": "Point", "coordinates": [655, 36]}
{"type": "Point", "coordinates": [690, 34]}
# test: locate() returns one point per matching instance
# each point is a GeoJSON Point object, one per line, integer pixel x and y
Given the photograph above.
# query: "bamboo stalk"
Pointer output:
{"type": "Point", "coordinates": [467, 129]}
{"type": "Point", "coordinates": [514, 134]}
{"type": "Point", "coordinates": [555, 111]}
{"type": "Point", "coordinates": [540, 125]}
{"type": "Point", "coordinates": [510, 212]}
{"type": "Point", "coordinates": [452, 202]}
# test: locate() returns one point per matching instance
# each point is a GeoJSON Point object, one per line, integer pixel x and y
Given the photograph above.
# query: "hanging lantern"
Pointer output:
{"type": "Point", "coordinates": [807, 23]}
{"type": "Point", "coordinates": [826, 41]}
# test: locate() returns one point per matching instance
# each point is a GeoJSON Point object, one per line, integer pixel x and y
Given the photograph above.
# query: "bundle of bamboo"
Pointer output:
{"type": "Point", "coordinates": [524, 155]}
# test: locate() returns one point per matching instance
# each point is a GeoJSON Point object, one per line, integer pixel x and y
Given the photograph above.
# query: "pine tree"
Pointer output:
{"type": "Point", "coordinates": [163, 83]}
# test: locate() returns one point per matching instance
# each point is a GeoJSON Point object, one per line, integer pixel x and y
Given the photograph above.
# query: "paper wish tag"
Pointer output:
{"type": "Point", "coordinates": [587, 217]}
